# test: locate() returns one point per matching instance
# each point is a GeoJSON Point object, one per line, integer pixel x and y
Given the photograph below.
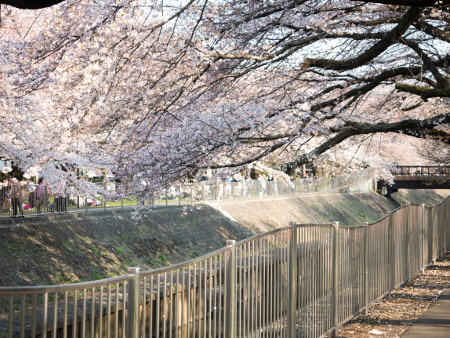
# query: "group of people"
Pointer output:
{"type": "Point", "coordinates": [18, 196]}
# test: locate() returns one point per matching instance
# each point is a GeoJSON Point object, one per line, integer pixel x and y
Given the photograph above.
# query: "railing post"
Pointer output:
{"type": "Point", "coordinates": [230, 289]}
{"type": "Point", "coordinates": [391, 253]}
{"type": "Point", "coordinates": [366, 267]}
{"type": "Point", "coordinates": [422, 265]}
{"type": "Point", "coordinates": [433, 230]}
{"type": "Point", "coordinates": [133, 303]}
{"type": "Point", "coordinates": [408, 235]}
{"type": "Point", "coordinates": [292, 282]}
{"type": "Point", "coordinates": [335, 281]}
{"type": "Point", "coordinates": [444, 218]}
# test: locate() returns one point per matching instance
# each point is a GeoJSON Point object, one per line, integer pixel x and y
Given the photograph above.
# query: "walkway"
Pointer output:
{"type": "Point", "coordinates": [403, 312]}
{"type": "Point", "coordinates": [435, 322]}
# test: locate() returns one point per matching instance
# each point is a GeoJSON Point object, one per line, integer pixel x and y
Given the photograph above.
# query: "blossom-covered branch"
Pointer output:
{"type": "Point", "coordinates": [156, 90]}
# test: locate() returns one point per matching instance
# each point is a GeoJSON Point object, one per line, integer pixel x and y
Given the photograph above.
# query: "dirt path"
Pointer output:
{"type": "Point", "coordinates": [393, 315]}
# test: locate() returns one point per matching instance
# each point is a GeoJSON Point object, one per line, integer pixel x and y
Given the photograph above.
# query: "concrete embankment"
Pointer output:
{"type": "Point", "coordinates": [91, 245]}
{"type": "Point", "coordinates": [260, 215]}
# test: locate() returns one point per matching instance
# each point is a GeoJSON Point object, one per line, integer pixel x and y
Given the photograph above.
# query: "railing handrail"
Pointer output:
{"type": "Point", "coordinates": [24, 290]}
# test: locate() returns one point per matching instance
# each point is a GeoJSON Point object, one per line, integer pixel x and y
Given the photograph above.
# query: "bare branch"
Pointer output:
{"type": "Point", "coordinates": [415, 128]}
{"type": "Point", "coordinates": [390, 38]}
{"type": "Point", "coordinates": [412, 3]}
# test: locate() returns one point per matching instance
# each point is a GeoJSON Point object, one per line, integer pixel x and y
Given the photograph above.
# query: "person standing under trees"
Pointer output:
{"type": "Point", "coordinates": [4, 197]}
{"type": "Point", "coordinates": [16, 194]}
{"type": "Point", "coordinates": [40, 195]}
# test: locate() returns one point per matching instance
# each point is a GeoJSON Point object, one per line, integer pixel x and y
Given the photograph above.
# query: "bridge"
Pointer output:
{"type": "Point", "coordinates": [417, 177]}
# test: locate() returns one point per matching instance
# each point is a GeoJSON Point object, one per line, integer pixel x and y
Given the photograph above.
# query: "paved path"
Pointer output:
{"type": "Point", "coordinates": [435, 322]}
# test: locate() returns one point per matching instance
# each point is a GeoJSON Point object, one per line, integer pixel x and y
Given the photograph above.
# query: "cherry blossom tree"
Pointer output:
{"type": "Point", "coordinates": [436, 152]}
{"type": "Point", "coordinates": [158, 90]}
{"type": "Point", "coordinates": [36, 4]}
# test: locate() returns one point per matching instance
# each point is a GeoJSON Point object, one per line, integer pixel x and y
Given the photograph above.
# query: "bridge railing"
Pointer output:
{"type": "Point", "coordinates": [440, 170]}
{"type": "Point", "coordinates": [300, 280]}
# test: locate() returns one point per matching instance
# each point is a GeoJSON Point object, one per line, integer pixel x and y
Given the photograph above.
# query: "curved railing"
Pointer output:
{"type": "Point", "coordinates": [300, 280]}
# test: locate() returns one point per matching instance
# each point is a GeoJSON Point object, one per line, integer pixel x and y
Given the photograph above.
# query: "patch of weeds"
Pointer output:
{"type": "Point", "coordinates": [119, 249]}
{"type": "Point", "coordinates": [156, 265]}
{"type": "Point", "coordinates": [162, 257]}
{"type": "Point", "coordinates": [98, 273]}
{"type": "Point", "coordinates": [105, 254]}
{"type": "Point", "coordinates": [67, 245]}
{"type": "Point", "coordinates": [343, 204]}
{"type": "Point", "coordinates": [124, 237]}
{"type": "Point", "coordinates": [64, 279]}
{"type": "Point", "coordinates": [97, 276]}
{"type": "Point", "coordinates": [95, 251]}
{"type": "Point", "coordinates": [149, 261]}
{"type": "Point", "coordinates": [362, 214]}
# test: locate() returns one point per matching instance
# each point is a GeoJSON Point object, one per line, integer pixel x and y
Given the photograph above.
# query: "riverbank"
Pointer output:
{"type": "Point", "coordinates": [58, 249]}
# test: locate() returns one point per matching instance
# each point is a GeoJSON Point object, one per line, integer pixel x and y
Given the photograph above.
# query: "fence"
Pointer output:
{"type": "Point", "coordinates": [301, 280]}
{"type": "Point", "coordinates": [30, 199]}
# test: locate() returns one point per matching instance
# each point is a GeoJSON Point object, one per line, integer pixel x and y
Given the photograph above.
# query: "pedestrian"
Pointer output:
{"type": "Point", "coordinates": [16, 197]}
{"type": "Point", "coordinates": [40, 195]}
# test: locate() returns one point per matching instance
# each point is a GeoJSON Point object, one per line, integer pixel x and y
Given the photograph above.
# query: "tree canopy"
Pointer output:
{"type": "Point", "coordinates": [157, 90]}
{"type": "Point", "coordinates": [36, 4]}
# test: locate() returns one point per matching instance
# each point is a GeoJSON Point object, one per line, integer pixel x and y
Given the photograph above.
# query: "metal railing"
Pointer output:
{"type": "Point", "coordinates": [30, 199]}
{"type": "Point", "coordinates": [436, 170]}
{"type": "Point", "coordinates": [301, 280]}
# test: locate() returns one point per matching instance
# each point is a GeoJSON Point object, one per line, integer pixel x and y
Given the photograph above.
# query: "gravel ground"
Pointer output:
{"type": "Point", "coordinates": [394, 314]}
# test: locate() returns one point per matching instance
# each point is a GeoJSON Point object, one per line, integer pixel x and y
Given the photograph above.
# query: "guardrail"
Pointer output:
{"type": "Point", "coordinates": [301, 280]}
{"type": "Point", "coordinates": [30, 199]}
